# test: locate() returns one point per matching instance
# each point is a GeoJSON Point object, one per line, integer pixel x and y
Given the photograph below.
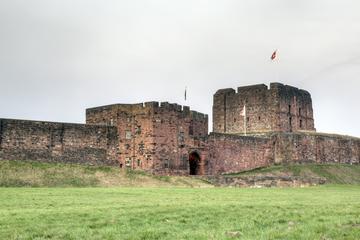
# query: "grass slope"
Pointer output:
{"type": "Point", "coordinates": [326, 212]}
{"type": "Point", "coordinates": [36, 174]}
{"type": "Point", "coordinates": [334, 173]}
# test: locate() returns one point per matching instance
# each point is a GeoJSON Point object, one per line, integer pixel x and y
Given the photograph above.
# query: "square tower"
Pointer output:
{"type": "Point", "coordinates": [258, 109]}
{"type": "Point", "coordinates": [153, 136]}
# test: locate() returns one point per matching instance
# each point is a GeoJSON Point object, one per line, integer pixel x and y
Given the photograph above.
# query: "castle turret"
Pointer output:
{"type": "Point", "coordinates": [258, 109]}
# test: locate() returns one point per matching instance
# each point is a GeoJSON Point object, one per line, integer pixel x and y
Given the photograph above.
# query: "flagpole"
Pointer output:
{"type": "Point", "coordinates": [185, 95]}
{"type": "Point", "coordinates": [245, 119]}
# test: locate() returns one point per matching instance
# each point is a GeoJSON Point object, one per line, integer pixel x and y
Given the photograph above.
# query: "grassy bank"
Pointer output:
{"type": "Point", "coordinates": [36, 174]}
{"type": "Point", "coordinates": [334, 173]}
{"type": "Point", "coordinates": [326, 212]}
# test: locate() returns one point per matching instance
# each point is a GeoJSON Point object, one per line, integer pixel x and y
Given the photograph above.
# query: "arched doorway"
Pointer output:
{"type": "Point", "coordinates": [194, 161]}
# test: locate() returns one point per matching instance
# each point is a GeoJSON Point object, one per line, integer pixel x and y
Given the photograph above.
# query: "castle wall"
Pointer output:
{"type": "Point", "coordinates": [228, 153]}
{"type": "Point", "coordinates": [279, 108]}
{"type": "Point", "coordinates": [316, 148]}
{"type": "Point", "coordinates": [295, 108]}
{"type": "Point", "coordinates": [164, 138]}
{"type": "Point", "coordinates": [231, 153]}
{"type": "Point", "coordinates": [57, 142]}
{"type": "Point", "coordinates": [135, 130]}
{"type": "Point", "coordinates": [153, 136]}
{"type": "Point", "coordinates": [176, 133]}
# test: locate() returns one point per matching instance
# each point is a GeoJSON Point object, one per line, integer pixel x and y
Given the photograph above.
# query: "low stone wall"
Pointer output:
{"type": "Point", "coordinates": [58, 142]}
{"type": "Point", "coordinates": [228, 153]}
{"type": "Point", "coordinates": [265, 181]}
{"type": "Point", "coordinates": [316, 148]}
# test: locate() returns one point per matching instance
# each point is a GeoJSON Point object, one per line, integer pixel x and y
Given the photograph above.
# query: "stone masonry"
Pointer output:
{"type": "Point", "coordinates": [156, 137]}
{"type": "Point", "coordinates": [58, 142]}
{"type": "Point", "coordinates": [279, 108]}
{"type": "Point", "coordinates": [255, 126]}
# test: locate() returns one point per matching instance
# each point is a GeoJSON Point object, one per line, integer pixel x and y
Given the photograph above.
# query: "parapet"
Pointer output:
{"type": "Point", "coordinates": [227, 91]}
{"type": "Point", "coordinates": [287, 88]}
{"type": "Point", "coordinates": [153, 106]}
{"type": "Point", "coordinates": [261, 88]}
{"type": "Point", "coordinates": [198, 116]}
{"type": "Point", "coordinates": [109, 107]}
{"type": "Point", "coordinates": [257, 87]}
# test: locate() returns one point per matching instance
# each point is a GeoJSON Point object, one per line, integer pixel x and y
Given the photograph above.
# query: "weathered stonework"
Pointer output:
{"type": "Point", "coordinates": [154, 137]}
{"type": "Point", "coordinates": [165, 138]}
{"type": "Point", "coordinates": [316, 148]}
{"type": "Point", "coordinates": [268, 180]}
{"type": "Point", "coordinates": [232, 153]}
{"type": "Point", "coordinates": [58, 142]}
{"type": "Point", "coordinates": [279, 108]}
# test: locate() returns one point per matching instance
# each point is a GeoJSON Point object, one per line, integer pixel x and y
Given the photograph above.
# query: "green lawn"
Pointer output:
{"type": "Point", "coordinates": [326, 212]}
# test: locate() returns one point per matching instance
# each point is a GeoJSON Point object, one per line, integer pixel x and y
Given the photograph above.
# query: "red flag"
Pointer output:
{"type": "Point", "coordinates": [273, 56]}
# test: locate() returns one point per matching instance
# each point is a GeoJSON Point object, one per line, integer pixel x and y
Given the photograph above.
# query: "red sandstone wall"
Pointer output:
{"type": "Point", "coordinates": [176, 134]}
{"type": "Point", "coordinates": [295, 108]}
{"type": "Point", "coordinates": [316, 148]}
{"type": "Point", "coordinates": [232, 153]}
{"type": "Point", "coordinates": [279, 108]}
{"type": "Point", "coordinates": [134, 124]}
{"type": "Point", "coordinates": [154, 137]}
{"type": "Point", "coordinates": [57, 142]}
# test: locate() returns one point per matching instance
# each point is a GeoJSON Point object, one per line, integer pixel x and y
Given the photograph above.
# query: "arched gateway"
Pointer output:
{"type": "Point", "coordinates": [194, 163]}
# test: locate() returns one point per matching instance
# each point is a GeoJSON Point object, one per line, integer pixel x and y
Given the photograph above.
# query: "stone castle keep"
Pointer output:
{"type": "Point", "coordinates": [255, 126]}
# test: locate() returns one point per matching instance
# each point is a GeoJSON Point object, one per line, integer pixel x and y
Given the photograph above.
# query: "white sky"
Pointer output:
{"type": "Point", "coordinates": [58, 57]}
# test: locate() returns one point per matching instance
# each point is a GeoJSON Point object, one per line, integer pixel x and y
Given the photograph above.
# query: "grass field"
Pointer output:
{"type": "Point", "coordinates": [326, 212]}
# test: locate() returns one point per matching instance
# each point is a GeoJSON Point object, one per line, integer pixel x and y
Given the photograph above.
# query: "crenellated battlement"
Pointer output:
{"type": "Point", "coordinates": [152, 107]}
{"type": "Point", "coordinates": [261, 89]}
{"type": "Point", "coordinates": [282, 87]}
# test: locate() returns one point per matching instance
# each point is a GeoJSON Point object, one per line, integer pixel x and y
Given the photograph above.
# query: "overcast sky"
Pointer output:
{"type": "Point", "coordinates": [58, 57]}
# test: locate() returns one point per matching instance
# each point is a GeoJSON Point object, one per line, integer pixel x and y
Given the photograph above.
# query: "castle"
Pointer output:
{"type": "Point", "coordinates": [255, 126]}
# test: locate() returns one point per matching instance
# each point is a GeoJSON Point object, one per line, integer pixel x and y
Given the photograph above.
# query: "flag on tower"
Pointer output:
{"type": "Point", "coordinates": [243, 111]}
{"type": "Point", "coordinates": [273, 56]}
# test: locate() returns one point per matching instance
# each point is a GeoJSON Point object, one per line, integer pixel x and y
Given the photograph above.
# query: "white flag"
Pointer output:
{"type": "Point", "coordinates": [243, 111]}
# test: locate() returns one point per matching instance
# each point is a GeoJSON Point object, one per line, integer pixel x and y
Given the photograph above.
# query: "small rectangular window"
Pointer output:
{"type": "Point", "coordinates": [181, 137]}
{"type": "Point", "coordinates": [137, 130]}
{"type": "Point", "coordinates": [128, 135]}
{"type": "Point", "coordinates": [166, 163]}
{"type": "Point", "coordinates": [138, 162]}
{"type": "Point", "coordinates": [127, 162]}
{"type": "Point", "coordinates": [191, 130]}
{"type": "Point", "coordinates": [185, 159]}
